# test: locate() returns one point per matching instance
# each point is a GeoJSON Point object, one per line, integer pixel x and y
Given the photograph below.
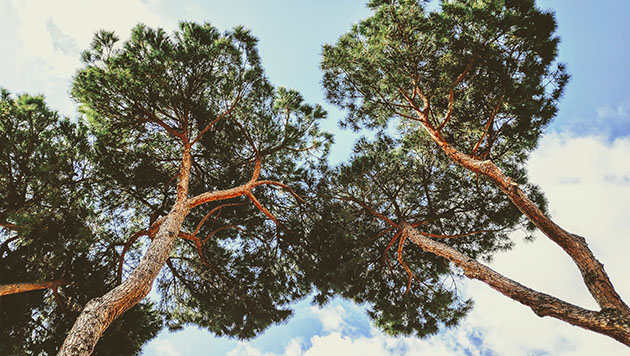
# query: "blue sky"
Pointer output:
{"type": "Point", "coordinates": [582, 164]}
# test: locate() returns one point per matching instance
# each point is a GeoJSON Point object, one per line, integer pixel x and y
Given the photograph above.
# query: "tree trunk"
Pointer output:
{"type": "Point", "coordinates": [593, 273]}
{"type": "Point", "coordinates": [100, 312]}
{"type": "Point", "coordinates": [608, 322]}
{"type": "Point", "coordinates": [614, 317]}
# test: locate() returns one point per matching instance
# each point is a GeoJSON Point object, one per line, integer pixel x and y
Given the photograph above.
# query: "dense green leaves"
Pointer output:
{"type": "Point", "coordinates": [148, 98]}
{"type": "Point", "coordinates": [405, 181]}
{"type": "Point", "coordinates": [509, 45]}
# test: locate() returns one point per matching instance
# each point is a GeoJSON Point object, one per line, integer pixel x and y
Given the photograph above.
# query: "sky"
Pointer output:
{"type": "Point", "coordinates": [582, 163]}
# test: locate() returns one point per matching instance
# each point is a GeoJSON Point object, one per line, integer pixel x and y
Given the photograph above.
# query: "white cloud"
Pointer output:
{"type": "Point", "coordinates": [331, 317]}
{"type": "Point", "coordinates": [45, 40]}
{"type": "Point", "coordinates": [294, 348]}
{"type": "Point", "coordinates": [164, 348]}
{"type": "Point", "coordinates": [607, 112]}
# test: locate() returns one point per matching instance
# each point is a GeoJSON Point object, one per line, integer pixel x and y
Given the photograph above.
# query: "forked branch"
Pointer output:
{"type": "Point", "coordinates": [488, 127]}
{"type": "Point", "coordinates": [451, 94]}
{"type": "Point", "coordinates": [217, 119]}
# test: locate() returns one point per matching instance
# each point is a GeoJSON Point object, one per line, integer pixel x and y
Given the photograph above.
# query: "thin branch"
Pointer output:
{"type": "Point", "coordinates": [224, 114]}
{"type": "Point", "coordinates": [488, 126]}
{"type": "Point", "coordinates": [438, 236]}
{"type": "Point", "coordinates": [423, 114]}
{"type": "Point", "coordinates": [5, 244]}
{"type": "Point", "coordinates": [222, 228]}
{"type": "Point", "coordinates": [198, 244]}
{"type": "Point", "coordinates": [389, 245]}
{"type": "Point", "coordinates": [126, 247]}
{"type": "Point", "coordinates": [262, 208]}
{"type": "Point", "coordinates": [152, 118]}
{"type": "Point", "coordinates": [410, 274]}
{"type": "Point", "coordinates": [59, 299]}
{"type": "Point", "coordinates": [218, 208]}
{"type": "Point", "coordinates": [14, 288]}
{"type": "Point", "coordinates": [10, 226]}
{"type": "Point", "coordinates": [451, 94]}
{"type": "Point", "coordinates": [366, 207]}
{"type": "Point", "coordinates": [282, 185]}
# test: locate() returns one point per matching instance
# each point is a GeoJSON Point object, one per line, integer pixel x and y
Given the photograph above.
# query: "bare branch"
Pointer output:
{"type": "Point", "coordinates": [14, 288]}
{"type": "Point", "coordinates": [389, 245]}
{"type": "Point", "coordinates": [203, 259]}
{"type": "Point", "coordinates": [218, 208]}
{"type": "Point", "coordinates": [152, 118]}
{"type": "Point", "coordinates": [222, 228]}
{"type": "Point", "coordinates": [224, 114]}
{"type": "Point", "coordinates": [262, 208]}
{"type": "Point", "coordinates": [451, 95]}
{"type": "Point", "coordinates": [488, 126]}
{"type": "Point", "coordinates": [604, 322]}
{"type": "Point", "coordinates": [410, 274]}
{"type": "Point", "coordinates": [369, 209]}
{"type": "Point", "coordinates": [282, 185]}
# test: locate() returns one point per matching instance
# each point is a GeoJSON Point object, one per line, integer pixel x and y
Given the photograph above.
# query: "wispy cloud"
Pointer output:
{"type": "Point", "coordinates": [164, 348]}
{"type": "Point", "coordinates": [609, 112]}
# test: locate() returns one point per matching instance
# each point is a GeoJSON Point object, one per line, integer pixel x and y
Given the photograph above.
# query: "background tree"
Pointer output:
{"type": "Point", "coordinates": [186, 131]}
{"type": "Point", "coordinates": [52, 259]}
{"type": "Point", "coordinates": [362, 256]}
{"type": "Point", "coordinates": [480, 81]}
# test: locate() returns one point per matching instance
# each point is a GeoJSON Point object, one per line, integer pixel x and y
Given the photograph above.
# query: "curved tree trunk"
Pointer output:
{"type": "Point", "coordinates": [100, 312]}
{"type": "Point", "coordinates": [607, 321]}
{"type": "Point", "coordinates": [613, 319]}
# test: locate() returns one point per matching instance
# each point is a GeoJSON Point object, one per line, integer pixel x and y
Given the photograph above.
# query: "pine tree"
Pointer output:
{"type": "Point", "coordinates": [478, 80]}
{"type": "Point", "coordinates": [196, 151]}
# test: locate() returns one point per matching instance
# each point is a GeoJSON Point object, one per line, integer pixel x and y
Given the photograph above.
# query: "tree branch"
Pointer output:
{"type": "Point", "coordinates": [607, 322]}
{"type": "Point", "coordinates": [14, 288]}
{"type": "Point", "coordinates": [593, 273]}
{"type": "Point", "coordinates": [262, 208]}
{"type": "Point", "coordinates": [488, 126]}
{"type": "Point", "coordinates": [451, 94]}
{"type": "Point", "coordinates": [372, 211]}
{"type": "Point", "coordinates": [224, 114]}
{"type": "Point", "coordinates": [282, 185]}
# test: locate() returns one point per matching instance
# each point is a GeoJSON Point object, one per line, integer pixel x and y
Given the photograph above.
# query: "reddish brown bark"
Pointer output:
{"type": "Point", "coordinates": [613, 319]}
{"type": "Point", "coordinates": [100, 312]}
{"type": "Point", "coordinates": [610, 322]}
{"type": "Point", "coordinates": [15, 288]}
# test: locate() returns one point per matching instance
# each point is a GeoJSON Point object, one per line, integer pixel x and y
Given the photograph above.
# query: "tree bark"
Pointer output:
{"type": "Point", "coordinates": [593, 273]}
{"type": "Point", "coordinates": [15, 288]}
{"type": "Point", "coordinates": [608, 322]}
{"type": "Point", "coordinates": [100, 312]}
{"type": "Point", "coordinates": [614, 317]}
